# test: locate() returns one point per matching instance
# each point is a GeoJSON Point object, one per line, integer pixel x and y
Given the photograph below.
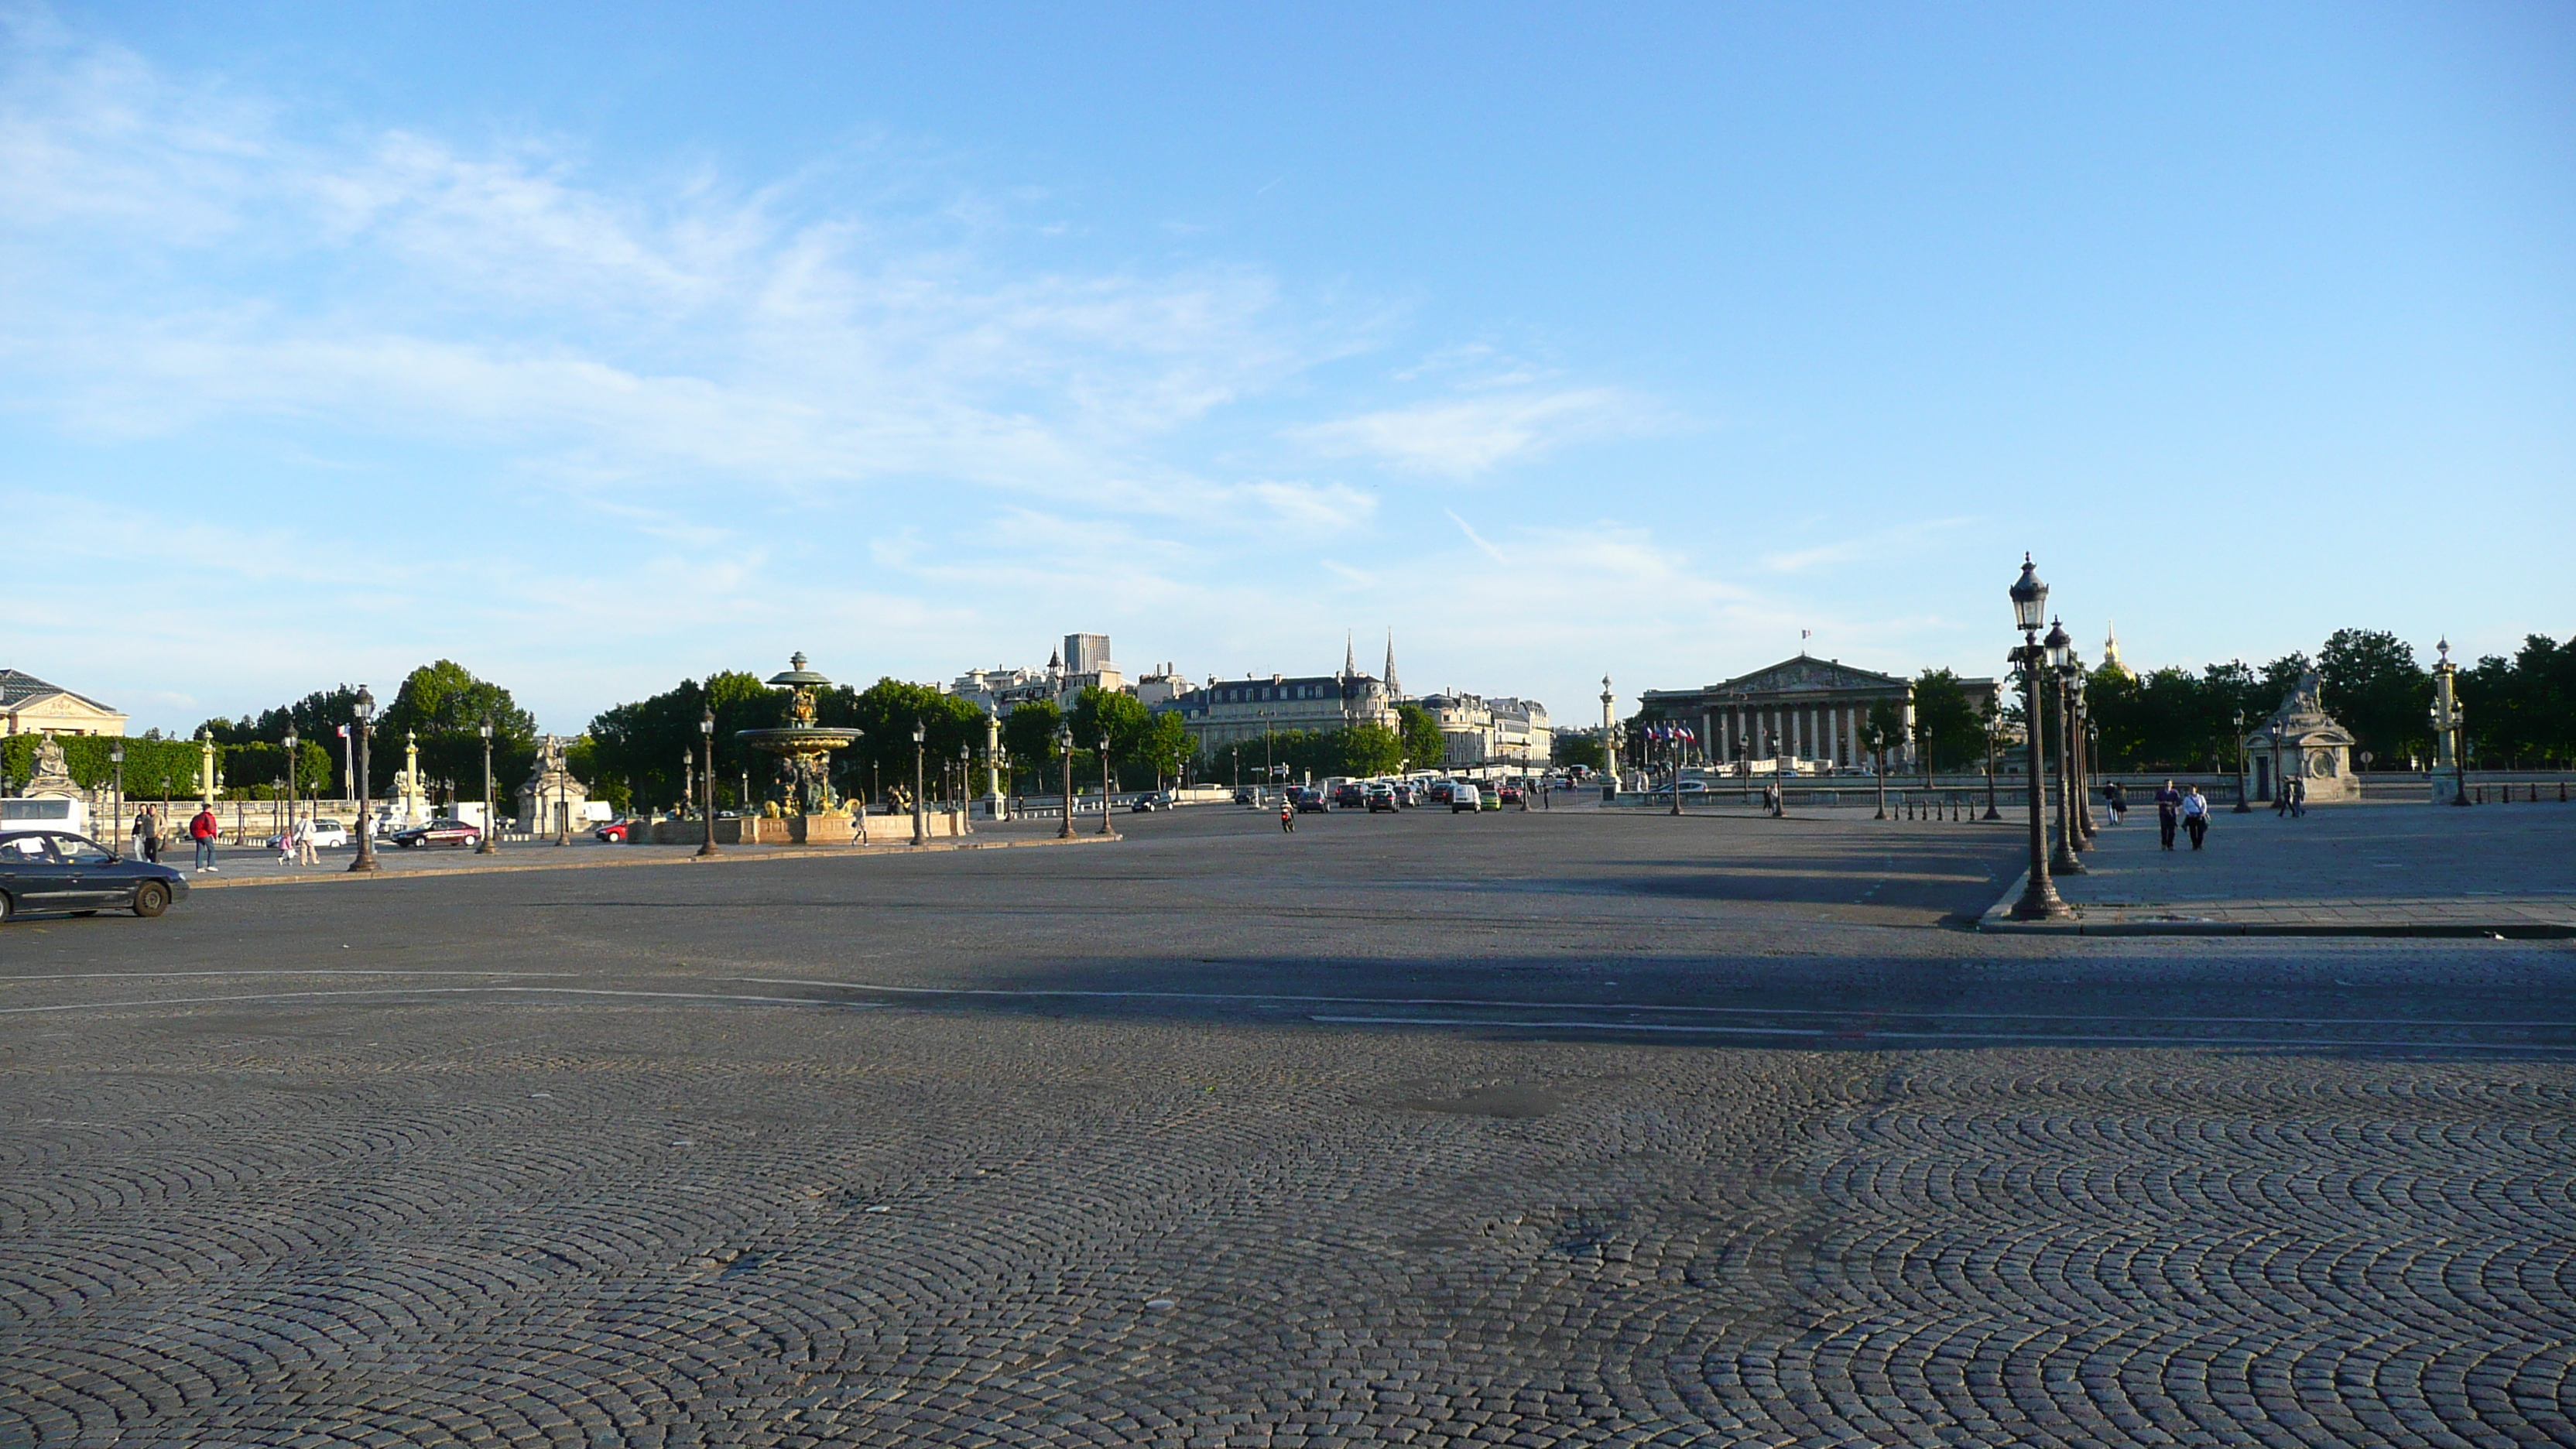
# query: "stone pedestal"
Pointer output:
{"type": "Point", "coordinates": [2309, 746]}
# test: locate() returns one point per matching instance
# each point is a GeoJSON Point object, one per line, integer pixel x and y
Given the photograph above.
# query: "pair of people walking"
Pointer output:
{"type": "Point", "coordinates": [2186, 810]}
{"type": "Point", "coordinates": [2291, 798]}
{"type": "Point", "coordinates": [147, 834]}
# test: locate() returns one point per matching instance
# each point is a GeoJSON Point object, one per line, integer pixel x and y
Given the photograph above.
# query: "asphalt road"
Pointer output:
{"type": "Point", "coordinates": [1582, 1127]}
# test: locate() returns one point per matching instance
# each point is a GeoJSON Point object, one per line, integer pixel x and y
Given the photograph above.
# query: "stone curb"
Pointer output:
{"type": "Point", "coordinates": [738, 854]}
{"type": "Point", "coordinates": [1998, 921]}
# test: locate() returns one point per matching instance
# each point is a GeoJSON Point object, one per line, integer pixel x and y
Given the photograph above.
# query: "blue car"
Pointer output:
{"type": "Point", "coordinates": [54, 870]}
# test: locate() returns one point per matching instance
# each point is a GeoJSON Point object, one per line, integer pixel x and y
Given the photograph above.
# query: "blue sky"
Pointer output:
{"type": "Point", "coordinates": [603, 346]}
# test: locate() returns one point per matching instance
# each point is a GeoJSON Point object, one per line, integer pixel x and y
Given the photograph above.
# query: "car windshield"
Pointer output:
{"type": "Point", "coordinates": [77, 851]}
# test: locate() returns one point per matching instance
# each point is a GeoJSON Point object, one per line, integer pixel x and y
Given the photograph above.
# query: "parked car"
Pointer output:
{"type": "Point", "coordinates": [1462, 797]}
{"type": "Point", "coordinates": [620, 830]}
{"type": "Point", "coordinates": [53, 870]}
{"type": "Point", "coordinates": [327, 835]}
{"type": "Point", "coordinates": [438, 832]}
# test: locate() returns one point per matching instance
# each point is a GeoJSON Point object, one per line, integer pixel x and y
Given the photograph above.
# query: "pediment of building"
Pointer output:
{"type": "Point", "coordinates": [1809, 674]}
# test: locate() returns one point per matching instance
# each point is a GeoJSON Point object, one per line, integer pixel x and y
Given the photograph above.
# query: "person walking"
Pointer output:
{"type": "Point", "coordinates": [286, 844]}
{"type": "Point", "coordinates": [2168, 812]}
{"type": "Point", "coordinates": [143, 833]}
{"type": "Point", "coordinates": [2280, 798]}
{"type": "Point", "coordinates": [1773, 802]}
{"type": "Point", "coordinates": [2298, 796]}
{"type": "Point", "coordinates": [2195, 816]}
{"type": "Point", "coordinates": [151, 828]}
{"type": "Point", "coordinates": [2115, 797]}
{"type": "Point", "coordinates": [203, 830]}
{"type": "Point", "coordinates": [306, 852]}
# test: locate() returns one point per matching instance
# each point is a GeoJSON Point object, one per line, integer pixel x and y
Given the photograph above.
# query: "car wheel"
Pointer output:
{"type": "Point", "coordinates": [5, 907]}
{"type": "Point", "coordinates": [151, 898]}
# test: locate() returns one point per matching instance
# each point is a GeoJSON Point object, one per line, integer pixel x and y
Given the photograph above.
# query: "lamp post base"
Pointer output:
{"type": "Point", "coordinates": [364, 865]}
{"type": "Point", "coordinates": [2040, 902]}
{"type": "Point", "coordinates": [2062, 861]}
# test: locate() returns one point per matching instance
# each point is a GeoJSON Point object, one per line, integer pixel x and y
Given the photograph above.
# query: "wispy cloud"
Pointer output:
{"type": "Point", "coordinates": [1875, 544]}
{"type": "Point", "coordinates": [1466, 437]}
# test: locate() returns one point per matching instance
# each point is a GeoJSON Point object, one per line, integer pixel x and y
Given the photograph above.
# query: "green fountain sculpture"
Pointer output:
{"type": "Point", "coordinates": [804, 750]}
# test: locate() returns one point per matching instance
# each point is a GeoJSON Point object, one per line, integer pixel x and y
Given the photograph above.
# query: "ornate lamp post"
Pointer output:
{"type": "Point", "coordinates": [1878, 748]}
{"type": "Point", "coordinates": [2241, 807]}
{"type": "Point", "coordinates": [920, 764]}
{"type": "Point", "coordinates": [2449, 718]}
{"type": "Point", "coordinates": [2039, 900]}
{"type": "Point", "coordinates": [965, 779]}
{"type": "Point", "coordinates": [1064, 752]}
{"type": "Point", "coordinates": [1994, 729]}
{"type": "Point", "coordinates": [2060, 658]}
{"type": "Point", "coordinates": [688, 781]}
{"type": "Point", "coordinates": [116, 757]}
{"type": "Point", "coordinates": [490, 844]}
{"type": "Point", "coordinates": [366, 711]}
{"type": "Point", "coordinates": [707, 732]}
{"type": "Point", "coordinates": [1104, 786]}
{"type": "Point", "coordinates": [290, 742]}
{"type": "Point", "coordinates": [2079, 799]}
{"type": "Point", "coordinates": [563, 793]}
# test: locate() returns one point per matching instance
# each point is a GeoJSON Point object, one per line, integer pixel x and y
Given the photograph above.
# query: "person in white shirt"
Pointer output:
{"type": "Point", "coordinates": [2195, 815]}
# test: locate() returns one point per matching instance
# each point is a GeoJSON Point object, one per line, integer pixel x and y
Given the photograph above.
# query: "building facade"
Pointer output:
{"type": "Point", "coordinates": [1802, 708]}
{"type": "Point", "coordinates": [30, 706]}
{"type": "Point", "coordinates": [1475, 730]}
{"type": "Point", "coordinates": [1226, 710]}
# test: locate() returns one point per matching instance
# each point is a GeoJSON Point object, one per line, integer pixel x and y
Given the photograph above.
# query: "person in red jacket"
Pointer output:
{"type": "Point", "coordinates": [203, 830]}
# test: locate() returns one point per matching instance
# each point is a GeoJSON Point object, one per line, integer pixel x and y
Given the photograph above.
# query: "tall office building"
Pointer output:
{"type": "Point", "coordinates": [1086, 653]}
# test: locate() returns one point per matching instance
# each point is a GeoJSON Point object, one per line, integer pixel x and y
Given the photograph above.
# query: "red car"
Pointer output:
{"type": "Point", "coordinates": [438, 832]}
{"type": "Point", "coordinates": [615, 832]}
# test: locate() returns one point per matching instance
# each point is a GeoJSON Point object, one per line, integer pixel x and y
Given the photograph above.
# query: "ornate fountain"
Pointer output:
{"type": "Point", "coordinates": [804, 750]}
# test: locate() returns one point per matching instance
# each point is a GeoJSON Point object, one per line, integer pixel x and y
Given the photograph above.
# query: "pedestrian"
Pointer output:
{"type": "Point", "coordinates": [203, 830]}
{"type": "Point", "coordinates": [1773, 803]}
{"type": "Point", "coordinates": [306, 852]}
{"type": "Point", "coordinates": [2298, 796]}
{"type": "Point", "coordinates": [152, 834]}
{"type": "Point", "coordinates": [2280, 798]}
{"type": "Point", "coordinates": [2116, 796]}
{"type": "Point", "coordinates": [143, 833]}
{"type": "Point", "coordinates": [2168, 812]}
{"type": "Point", "coordinates": [2195, 816]}
{"type": "Point", "coordinates": [286, 843]}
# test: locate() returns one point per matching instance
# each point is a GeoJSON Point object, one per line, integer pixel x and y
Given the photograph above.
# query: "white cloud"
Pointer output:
{"type": "Point", "coordinates": [1470, 436]}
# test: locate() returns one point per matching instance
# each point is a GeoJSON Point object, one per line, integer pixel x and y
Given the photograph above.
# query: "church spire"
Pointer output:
{"type": "Point", "coordinates": [1350, 659]}
{"type": "Point", "coordinates": [2111, 647]}
{"type": "Point", "coordinates": [1393, 690]}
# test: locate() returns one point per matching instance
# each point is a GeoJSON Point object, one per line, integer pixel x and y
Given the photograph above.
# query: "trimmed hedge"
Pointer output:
{"type": "Point", "coordinates": [166, 769]}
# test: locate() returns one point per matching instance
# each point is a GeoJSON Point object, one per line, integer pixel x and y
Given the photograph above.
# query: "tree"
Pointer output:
{"type": "Point", "coordinates": [1947, 721]}
{"type": "Point", "coordinates": [1369, 748]}
{"type": "Point", "coordinates": [1579, 747]}
{"type": "Point", "coordinates": [1424, 746]}
{"type": "Point", "coordinates": [2370, 683]}
{"type": "Point", "coordinates": [1028, 737]}
{"type": "Point", "coordinates": [640, 747]}
{"type": "Point", "coordinates": [888, 710]}
{"type": "Point", "coordinates": [443, 704]}
{"type": "Point", "coordinates": [1105, 714]}
{"type": "Point", "coordinates": [1165, 746]}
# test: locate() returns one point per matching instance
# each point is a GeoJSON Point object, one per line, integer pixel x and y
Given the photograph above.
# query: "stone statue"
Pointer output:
{"type": "Point", "coordinates": [52, 776]}
{"type": "Point", "coordinates": [2305, 697]}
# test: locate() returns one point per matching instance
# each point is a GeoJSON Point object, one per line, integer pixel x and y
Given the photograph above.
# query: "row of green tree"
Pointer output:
{"type": "Point", "coordinates": [440, 706]}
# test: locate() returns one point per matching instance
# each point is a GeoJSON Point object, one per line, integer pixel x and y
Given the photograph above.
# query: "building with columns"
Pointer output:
{"type": "Point", "coordinates": [30, 706]}
{"type": "Point", "coordinates": [1802, 708]}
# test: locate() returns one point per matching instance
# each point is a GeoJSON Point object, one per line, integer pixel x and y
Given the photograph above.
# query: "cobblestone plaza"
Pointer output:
{"type": "Point", "coordinates": [1531, 1128]}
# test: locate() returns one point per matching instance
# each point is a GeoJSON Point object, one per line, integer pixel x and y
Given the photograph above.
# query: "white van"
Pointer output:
{"type": "Point", "coordinates": [1463, 796]}
{"type": "Point", "coordinates": [45, 812]}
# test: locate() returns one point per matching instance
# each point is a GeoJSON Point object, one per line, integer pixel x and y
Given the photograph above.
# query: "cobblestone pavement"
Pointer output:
{"type": "Point", "coordinates": [1581, 1128]}
{"type": "Point", "coordinates": [2379, 868]}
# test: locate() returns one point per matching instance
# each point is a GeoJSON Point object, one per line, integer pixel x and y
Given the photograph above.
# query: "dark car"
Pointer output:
{"type": "Point", "coordinates": [51, 870]}
{"type": "Point", "coordinates": [1349, 796]}
{"type": "Point", "coordinates": [1147, 804]}
{"type": "Point", "coordinates": [1309, 802]}
{"type": "Point", "coordinates": [438, 832]}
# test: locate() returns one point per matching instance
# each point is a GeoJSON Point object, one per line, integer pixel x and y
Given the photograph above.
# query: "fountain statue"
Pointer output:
{"type": "Point", "coordinates": [804, 750]}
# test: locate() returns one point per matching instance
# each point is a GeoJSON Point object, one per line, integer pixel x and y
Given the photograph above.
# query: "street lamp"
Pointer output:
{"type": "Point", "coordinates": [965, 769]}
{"type": "Point", "coordinates": [2079, 719]}
{"type": "Point", "coordinates": [1994, 728]}
{"type": "Point", "coordinates": [2060, 647]}
{"type": "Point", "coordinates": [490, 844]}
{"type": "Point", "coordinates": [1064, 751]}
{"type": "Point", "coordinates": [920, 762]}
{"type": "Point", "coordinates": [116, 757]}
{"type": "Point", "coordinates": [707, 732]}
{"type": "Point", "coordinates": [290, 742]}
{"type": "Point", "coordinates": [2039, 899]}
{"type": "Point", "coordinates": [2241, 807]}
{"type": "Point", "coordinates": [366, 712]}
{"type": "Point", "coordinates": [1104, 786]}
{"type": "Point", "coordinates": [688, 781]}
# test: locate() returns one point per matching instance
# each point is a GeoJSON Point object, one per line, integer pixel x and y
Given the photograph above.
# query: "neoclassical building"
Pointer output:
{"type": "Point", "coordinates": [1804, 708]}
{"type": "Point", "coordinates": [30, 706]}
{"type": "Point", "coordinates": [1226, 710]}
